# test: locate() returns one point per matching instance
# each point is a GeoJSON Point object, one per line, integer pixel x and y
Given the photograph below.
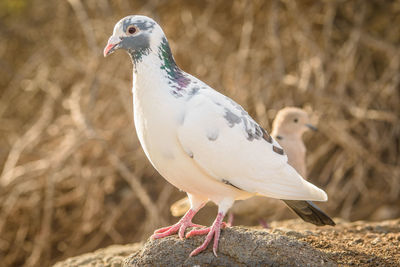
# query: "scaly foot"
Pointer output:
{"type": "Point", "coordinates": [184, 222]}
{"type": "Point", "coordinates": [213, 231]}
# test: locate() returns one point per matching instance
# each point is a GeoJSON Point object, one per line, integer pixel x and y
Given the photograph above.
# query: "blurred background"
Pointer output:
{"type": "Point", "coordinates": [73, 177]}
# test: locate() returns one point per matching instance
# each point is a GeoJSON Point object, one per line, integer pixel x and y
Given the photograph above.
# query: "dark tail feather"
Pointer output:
{"type": "Point", "coordinates": [309, 212]}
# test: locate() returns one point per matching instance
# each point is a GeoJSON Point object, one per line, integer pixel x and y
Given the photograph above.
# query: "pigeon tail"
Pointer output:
{"type": "Point", "coordinates": [291, 186]}
{"type": "Point", "coordinates": [309, 212]}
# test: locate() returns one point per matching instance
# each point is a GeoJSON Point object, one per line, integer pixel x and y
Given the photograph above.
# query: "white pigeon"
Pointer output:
{"type": "Point", "coordinates": [199, 140]}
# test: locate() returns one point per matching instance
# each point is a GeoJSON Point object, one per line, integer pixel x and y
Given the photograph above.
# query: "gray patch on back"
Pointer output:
{"type": "Point", "coordinates": [192, 92]}
{"type": "Point", "coordinates": [252, 129]}
{"type": "Point", "coordinates": [231, 117]}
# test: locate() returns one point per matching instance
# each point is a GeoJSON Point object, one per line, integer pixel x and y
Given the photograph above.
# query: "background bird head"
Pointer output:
{"type": "Point", "coordinates": [292, 120]}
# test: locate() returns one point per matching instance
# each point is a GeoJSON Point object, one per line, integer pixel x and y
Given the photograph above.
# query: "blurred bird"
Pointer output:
{"type": "Point", "coordinates": [199, 140]}
{"type": "Point", "coordinates": [288, 128]}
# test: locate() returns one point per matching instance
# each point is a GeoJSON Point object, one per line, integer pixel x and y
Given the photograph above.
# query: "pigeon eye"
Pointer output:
{"type": "Point", "coordinates": [132, 30]}
{"type": "Point", "coordinates": [296, 120]}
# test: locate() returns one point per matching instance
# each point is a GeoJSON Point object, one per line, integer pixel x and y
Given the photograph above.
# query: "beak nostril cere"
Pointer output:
{"type": "Point", "coordinates": [111, 45]}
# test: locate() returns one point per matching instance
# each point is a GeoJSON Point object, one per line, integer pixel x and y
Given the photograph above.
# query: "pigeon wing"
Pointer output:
{"type": "Point", "coordinates": [231, 147]}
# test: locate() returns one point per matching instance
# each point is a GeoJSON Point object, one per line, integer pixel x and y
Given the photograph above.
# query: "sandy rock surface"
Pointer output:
{"type": "Point", "coordinates": [287, 243]}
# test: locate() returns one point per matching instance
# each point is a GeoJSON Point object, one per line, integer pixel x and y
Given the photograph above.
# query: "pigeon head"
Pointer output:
{"type": "Point", "coordinates": [135, 34]}
{"type": "Point", "coordinates": [144, 39]}
{"type": "Point", "coordinates": [292, 120]}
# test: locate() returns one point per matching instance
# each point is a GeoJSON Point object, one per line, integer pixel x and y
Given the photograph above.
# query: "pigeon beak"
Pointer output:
{"type": "Point", "coordinates": [112, 45]}
{"type": "Point", "coordinates": [312, 127]}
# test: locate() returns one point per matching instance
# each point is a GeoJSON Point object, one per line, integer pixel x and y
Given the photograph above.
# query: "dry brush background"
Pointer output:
{"type": "Point", "coordinates": [73, 176]}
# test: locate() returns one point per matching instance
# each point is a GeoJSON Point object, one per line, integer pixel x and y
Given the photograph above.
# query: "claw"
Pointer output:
{"type": "Point", "coordinates": [179, 227]}
{"type": "Point", "coordinates": [212, 232]}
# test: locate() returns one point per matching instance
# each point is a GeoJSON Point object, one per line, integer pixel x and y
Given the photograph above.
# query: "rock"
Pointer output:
{"type": "Point", "coordinates": [238, 247]}
{"type": "Point", "coordinates": [112, 256]}
{"type": "Point", "coordinates": [288, 243]}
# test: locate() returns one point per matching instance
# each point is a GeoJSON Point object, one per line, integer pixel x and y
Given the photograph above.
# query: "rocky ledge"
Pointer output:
{"type": "Point", "coordinates": [288, 243]}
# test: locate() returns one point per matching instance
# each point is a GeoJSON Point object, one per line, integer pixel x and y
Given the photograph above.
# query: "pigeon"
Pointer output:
{"type": "Point", "coordinates": [288, 128]}
{"type": "Point", "coordinates": [198, 139]}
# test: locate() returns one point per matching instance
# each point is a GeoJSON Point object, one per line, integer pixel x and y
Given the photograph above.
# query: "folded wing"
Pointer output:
{"type": "Point", "coordinates": [231, 147]}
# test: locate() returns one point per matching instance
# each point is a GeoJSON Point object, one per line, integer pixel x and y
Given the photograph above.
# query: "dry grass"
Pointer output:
{"type": "Point", "coordinates": [74, 177]}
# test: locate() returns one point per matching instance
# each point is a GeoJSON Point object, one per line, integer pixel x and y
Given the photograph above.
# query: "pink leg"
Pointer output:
{"type": "Point", "coordinates": [212, 231]}
{"type": "Point", "coordinates": [184, 222]}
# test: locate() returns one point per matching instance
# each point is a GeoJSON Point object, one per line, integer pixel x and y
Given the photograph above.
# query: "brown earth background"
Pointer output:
{"type": "Point", "coordinates": [73, 176]}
